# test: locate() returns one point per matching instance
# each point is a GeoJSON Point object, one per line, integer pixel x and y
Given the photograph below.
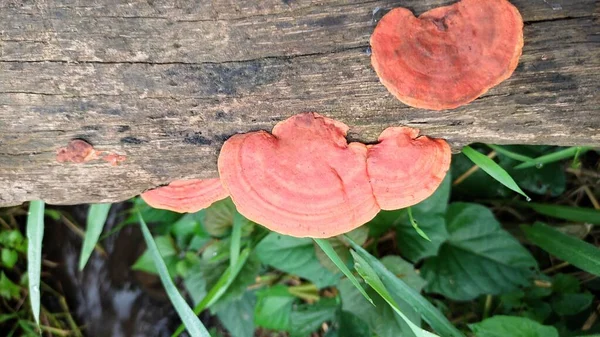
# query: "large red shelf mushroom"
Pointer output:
{"type": "Point", "coordinates": [185, 196]}
{"type": "Point", "coordinates": [305, 180]}
{"type": "Point", "coordinates": [448, 56]}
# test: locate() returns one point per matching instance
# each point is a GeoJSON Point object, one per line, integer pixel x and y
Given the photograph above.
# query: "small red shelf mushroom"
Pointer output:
{"type": "Point", "coordinates": [305, 180]}
{"type": "Point", "coordinates": [448, 56]}
{"type": "Point", "coordinates": [185, 196]}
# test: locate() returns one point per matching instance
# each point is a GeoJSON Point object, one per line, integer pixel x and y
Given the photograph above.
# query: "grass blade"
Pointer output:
{"type": "Point", "coordinates": [420, 304]}
{"type": "Point", "coordinates": [96, 218]}
{"type": "Point", "coordinates": [575, 214]}
{"type": "Point", "coordinates": [335, 258]}
{"type": "Point", "coordinates": [552, 157]}
{"type": "Point", "coordinates": [493, 169]}
{"type": "Point", "coordinates": [372, 279]}
{"type": "Point", "coordinates": [413, 222]}
{"type": "Point", "coordinates": [35, 235]}
{"type": "Point", "coordinates": [508, 153]}
{"type": "Point", "coordinates": [236, 238]}
{"type": "Point", "coordinates": [568, 248]}
{"type": "Point", "coordinates": [188, 317]}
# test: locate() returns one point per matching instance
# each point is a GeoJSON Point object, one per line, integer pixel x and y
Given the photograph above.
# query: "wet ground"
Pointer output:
{"type": "Point", "coordinates": [108, 298]}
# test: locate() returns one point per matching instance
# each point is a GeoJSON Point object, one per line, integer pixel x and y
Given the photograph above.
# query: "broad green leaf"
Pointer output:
{"type": "Point", "coordinates": [554, 157]}
{"type": "Point", "coordinates": [8, 289]}
{"type": "Point", "coordinates": [359, 235]}
{"type": "Point", "coordinates": [565, 284]}
{"type": "Point", "coordinates": [575, 251]}
{"type": "Point", "coordinates": [167, 251]}
{"type": "Point", "coordinates": [504, 326]}
{"type": "Point", "coordinates": [575, 214]}
{"type": "Point", "coordinates": [188, 317]}
{"type": "Point", "coordinates": [307, 318]}
{"type": "Point", "coordinates": [493, 169]}
{"type": "Point", "coordinates": [372, 279]}
{"type": "Point", "coordinates": [218, 218]}
{"type": "Point", "coordinates": [510, 154]}
{"type": "Point", "coordinates": [238, 316]}
{"type": "Point", "coordinates": [413, 246]}
{"type": "Point", "coordinates": [400, 289]}
{"type": "Point", "coordinates": [478, 258]}
{"type": "Point", "coordinates": [404, 271]}
{"type": "Point", "coordinates": [437, 203]}
{"type": "Point", "coordinates": [35, 235]}
{"type": "Point", "coordinates": [295, 256]}
{"type": "Point", "coordinates": [328, 249]}
{"type": "Point", "coordinates": [571, 304]}
{"type": "Point", "coordinates": [96, 218]}
{"type": "Point", "coordinates": [274, 308]}
{"type": "Point", "coordinates": [9, 257]}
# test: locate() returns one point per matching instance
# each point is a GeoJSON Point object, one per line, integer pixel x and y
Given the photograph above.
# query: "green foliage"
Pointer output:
{"type": "Point", "coordinates": [565, 247]}
{"type": "Point", "coordinates": [502, 326]}
{"type": "Point", "coordinates": [478, 258]}
{"type": "Point", "coordinates": [96, 218]}
{"type": "Point", "coordinates": [35, 235]}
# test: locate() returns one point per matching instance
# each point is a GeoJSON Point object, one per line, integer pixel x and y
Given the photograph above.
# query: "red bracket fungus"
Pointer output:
{"type": "Point", "coordinates": [186, 196]}
{"type": "Point", "coordinates": [448, 56]}
{"type": "Point", "coordinates": [305, 180]}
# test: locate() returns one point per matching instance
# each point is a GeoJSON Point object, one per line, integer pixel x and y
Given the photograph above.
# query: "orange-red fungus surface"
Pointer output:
{"type": "Point", "coordinates": [448, 56]}
{"type": "Point", "coordinates": [77, 151]}
{"type": "Point", "coordinates": [305, 180]}
{"type": "Point", "coordinates": [185, 196]}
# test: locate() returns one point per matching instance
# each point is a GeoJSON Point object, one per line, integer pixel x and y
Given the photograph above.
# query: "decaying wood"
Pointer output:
{"type": "Point", "coordinates": [165, 82]}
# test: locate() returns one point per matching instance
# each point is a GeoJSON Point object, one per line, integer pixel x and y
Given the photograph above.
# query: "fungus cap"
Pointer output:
{"type": "Point", "coordinates": [185, 196]}
{"type": "Point", "coordinates": [406, 168]}
{"type": "Point", "coordinates": [448, 56]}
{"type": "Point", "coordinates": [305, 180]}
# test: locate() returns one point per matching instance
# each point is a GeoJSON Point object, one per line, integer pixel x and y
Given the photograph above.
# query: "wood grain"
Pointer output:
{"type": "Point", "coordinates": [164, 83]}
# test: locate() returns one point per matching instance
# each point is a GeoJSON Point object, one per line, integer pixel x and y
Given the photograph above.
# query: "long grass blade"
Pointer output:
{"type": "Point", "coordinates": [575, 214]}
{"type": "Point", "coordinates": [96, 219]}
{"type": "Point", "coordinates": [508, 153]}
{"type": "Point", "coordinates": [35, 235]}
{"type": "Point", "coordinates": [335, 258]}
{"type": "Point", "coordinates": [493, 169]}
{"type": "Point", "coordinates": [236, 238]}
{"type": "Point", "coordinates": [553, 157]}
{"type": "Point", "coordinates": [420, 304]}
{"type": "Point", "coordinates": [188, 317]}
{"type": "Point", "coordinates": [568, 248]}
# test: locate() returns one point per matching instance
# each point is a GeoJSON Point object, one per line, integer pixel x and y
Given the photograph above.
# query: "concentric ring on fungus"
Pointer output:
{"type": "Point", "coordinates": [448, 56]}
{"type": "Point", "coordinates": [186, 196]}
{"type": "Point", "coordinates": [305, 180]}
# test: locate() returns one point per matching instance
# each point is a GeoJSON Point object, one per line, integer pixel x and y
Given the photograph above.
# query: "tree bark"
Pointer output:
{"type": "Point", "coordinates": [164, 82]}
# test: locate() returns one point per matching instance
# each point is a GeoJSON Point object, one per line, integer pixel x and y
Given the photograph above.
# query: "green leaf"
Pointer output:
{"type": "Point", "coordinates": [575, 214]}
{"type": "Point", "coordinates": [575, 251]}
{"type": "Point", "coordinates": [9, 257]}
{"type": "Point", "coordinates": [565, 284]}
{"type": "Point", "coordinates": [167, 251]}
{"type": "Point", "coordinates": [96, 218]}
{"type": "Point", "coordinates": [437, 203]}
{"type": "Point", "coordinates": [503, 326]}
{"type": "Point", "coordinates": [510, 154]}
{"type": "Point", "coordinates": [35, 235]}
{"type": "Point", "coordinates": [478, 258]}
{"type": "Point", "coordinates": [219, 217]}
{"type": "Point", "coordinates": [571, 304]}
{"type": "Point", "coordinates": [188, 317]}
{"type": "Point", "coordinates": [328, 249]}
{"type": "Point", "coordinates": [493, 169]}
{"type": "Point", "coordinates": [274, 308]}
{"type": "Point", "coordinates": [8, 289]}
{"type": "Point", "coordinates": [413, 246]}
{"type": "Point", "coordinates": [554, 157]}
{"type": "Point", "coordinates": [428, 312]}
{"type": "Point", "coordinates": [404, 271]}
{"type": "Point", "coordinates": [352, 326]}
{"type": "Point", "coordinates": [415, 225]}
{"type": "Point", "coordinates": [372, 279]}
{"type": "Point", "coordinates": [236, 237]}
{"type": "Point", "coordinates": [295, 256]}
{"type": "Point", "coordinates": [238, 316]}
{"type": "Point", "coordinates": [308, 318]}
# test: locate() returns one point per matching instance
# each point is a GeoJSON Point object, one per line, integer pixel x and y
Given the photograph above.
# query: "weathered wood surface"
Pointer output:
{"type": "Point", "coordinates": [166, 82]}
